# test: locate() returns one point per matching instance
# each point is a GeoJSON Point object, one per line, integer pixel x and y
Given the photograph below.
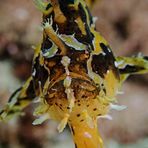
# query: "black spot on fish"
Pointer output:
{"type": "Point", "coordinates": [14, 94]}
{"type": "Point", "coordinates": [78, 115]}
{"type": "Point", "coordinates": [61, 108]}
{"type": "Point", "coordinates": [72, 130]}
{"type": "Point", "coordinates": [76, 145]}
{"type": "Point", "coordinates": [104, 90]}
{"type": "Point", "coordinates": [48, 6]}
{"type": "Point", "coordinates": [130, 69]}
{"type": "Point", "coordinates": [94, 109]}
{"type": "Point", "coordinates": [145, 58]}
{"type": "Point", "coordinates": [84, 96]}
{"type": "Point", "coordinates": [68, 107]}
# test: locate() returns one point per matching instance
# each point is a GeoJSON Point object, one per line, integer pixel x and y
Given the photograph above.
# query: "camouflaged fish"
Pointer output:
{"type": "Point", "coordinates": [75, 76]}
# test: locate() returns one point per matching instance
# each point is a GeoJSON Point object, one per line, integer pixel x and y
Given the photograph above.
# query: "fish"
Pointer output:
{"type": "Point", "coordinates": [75, 75]}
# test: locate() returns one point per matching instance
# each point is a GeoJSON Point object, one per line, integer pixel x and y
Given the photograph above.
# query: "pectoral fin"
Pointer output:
{"type": "Point", "coordinates": [20, 99]}
{"type": "Point", "coordinates": [131, 65]}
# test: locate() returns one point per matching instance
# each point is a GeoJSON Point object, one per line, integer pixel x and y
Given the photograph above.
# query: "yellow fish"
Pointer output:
{"type": "Point", "coordinates": [75, 76]}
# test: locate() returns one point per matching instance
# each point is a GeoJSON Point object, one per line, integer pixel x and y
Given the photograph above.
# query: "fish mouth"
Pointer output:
{"type": "Point", "coordinates": [72, 75]}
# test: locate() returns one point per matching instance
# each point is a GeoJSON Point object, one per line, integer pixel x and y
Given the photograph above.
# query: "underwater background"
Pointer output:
{"type": "Point", "coordinates": [124, 24]}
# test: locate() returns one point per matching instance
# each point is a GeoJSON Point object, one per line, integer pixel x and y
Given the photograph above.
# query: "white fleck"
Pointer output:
{"type": "Point", "coordinates": [48, 23]}
{"type": "Point", "coordinates": [140, 55]}
{"type": "Point", "coordinates": [70, 93]}
{"type": "Point", "coordinates": [65, 61]}
{"type": "Point", "coordinates": [117, 107]}
{"type": "Point", "coordinates": [41, 119]}
{"type": "Point", "coordinates": [57, 29]}
{"type": "Point", "coordinates": [63, 123]}
{"type": "Point", "coordinates": [54, 89]}
{"type": "Point", "coordinates": [37, 100]}
{"type": "Point", "coordinates": [103, 53]}
{"type": "Point", "coordinates": [95, 19]}
{"type": "Point", "coordinates": [33, 47]}
{"type": "Point", "coordinates": [119, 92]}
{"type": "Point", "coordinates": [67, 81]}
{"type": "Point", "coordinates": [109, 49]}
{"type": "Point", "coordinates": [86, 134]}
{"type": "Point", "coordinates": [108, 71]}
{"type": "Point", "coordinates": [86, 52]}
{"type": "Point", "coordinates": [34, 72]}
{"type": "Point", "coordinates": [97, 79]}
{"type": "Point", "coordinates": [71, 41]}
{"type": "Point", "coordinates": [109, 117]}
{"type": "Point", "coordinates": [88, 118]}
{"type": "Point", "coordinates": [71, 98]}
{"type": "Point", "coordinates": [51, 51]}
{"type": "Point", "coordinates": [118, 63]}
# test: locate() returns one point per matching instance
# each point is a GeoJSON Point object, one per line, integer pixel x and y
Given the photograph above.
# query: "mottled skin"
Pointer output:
{"type": "Point", "coordinates": [75, 75]}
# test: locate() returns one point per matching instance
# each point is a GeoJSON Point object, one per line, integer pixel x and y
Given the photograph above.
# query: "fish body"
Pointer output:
{"type": "Point", "coordinates": [75, 75]}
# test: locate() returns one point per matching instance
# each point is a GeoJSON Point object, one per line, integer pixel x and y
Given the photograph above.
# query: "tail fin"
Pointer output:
{"type": "Point", "coordinates": [18, 101]}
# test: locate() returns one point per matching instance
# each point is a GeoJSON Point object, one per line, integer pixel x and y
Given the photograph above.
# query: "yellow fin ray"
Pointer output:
{"type": "Point", "coordinates": [131, 65]}
{"type": "Point", "coordinates": [63, 123]}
